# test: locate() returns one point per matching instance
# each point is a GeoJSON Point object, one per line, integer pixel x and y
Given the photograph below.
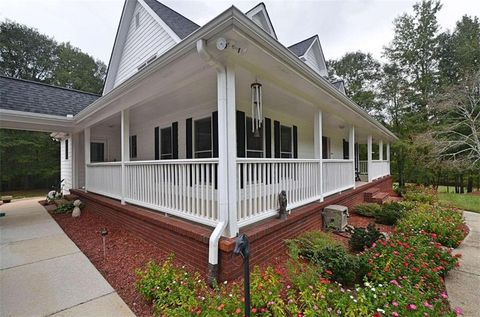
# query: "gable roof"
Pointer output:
{"type": "Point", "coordinates": [267, 24]}
{"type": "Point", "coordinates": [30, 96]}
{"type": "Point", "coordinates": [177, 22]}
{"type": "Point", "coordinates": [301, 47]}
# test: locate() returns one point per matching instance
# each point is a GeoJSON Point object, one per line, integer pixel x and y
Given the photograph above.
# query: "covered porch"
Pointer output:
{"type": "Point", "coordinates": [182, 143]}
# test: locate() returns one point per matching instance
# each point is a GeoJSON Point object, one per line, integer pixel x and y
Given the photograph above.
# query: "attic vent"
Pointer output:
{"type": "Point", "coordinates": [137, 20]}
{"type": "Point", "coordinates": [147, 62]}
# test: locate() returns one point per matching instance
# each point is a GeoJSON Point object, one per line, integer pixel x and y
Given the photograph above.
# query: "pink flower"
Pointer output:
{"type": "Point", "coordinates": [395, 304]}
{"type": "Point", "coordinates": [395, 314]}
{"type": "Point", "coordinates": [444, 295]}
{"type": "Point", "coordinates": [458, 311]}
{"type": "Point", "coordinates": [428, 305]}
{"type": "Point", "coordinates": [394, 282]}
{"type": "Point", "coordinates": [411, 307]}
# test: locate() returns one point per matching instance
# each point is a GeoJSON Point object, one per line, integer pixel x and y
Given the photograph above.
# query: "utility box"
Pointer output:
{"type": "Point", "coordinates": [335, 217]}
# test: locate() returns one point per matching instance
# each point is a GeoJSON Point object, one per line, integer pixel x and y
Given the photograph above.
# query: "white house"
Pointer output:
{"type": "Point", "coordinates": [209, 123]}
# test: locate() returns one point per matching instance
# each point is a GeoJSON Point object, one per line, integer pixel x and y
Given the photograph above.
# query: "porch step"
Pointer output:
{"type": "Point", "coordinates": [380, 198]}
{"type": "Point", "coordinates": [369, 193]}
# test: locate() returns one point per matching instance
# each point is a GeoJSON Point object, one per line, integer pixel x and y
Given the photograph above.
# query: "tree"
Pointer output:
{"type": "Point", "coordinates": [25, 53]}
{"type": "Point", "coordinates": [361, 74]}
{"type": "Point", "coordinates": [78, 70]}
{"type": "Point", "coordinates": [414, 48]}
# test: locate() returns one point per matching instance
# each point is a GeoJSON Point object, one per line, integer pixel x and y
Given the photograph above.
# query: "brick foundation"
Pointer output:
{"type": "Point", "coordinates": [189, 241]}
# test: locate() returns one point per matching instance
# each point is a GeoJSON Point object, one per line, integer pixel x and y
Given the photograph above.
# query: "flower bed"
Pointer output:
{"type": "Point", "coordinates": [401, 276]}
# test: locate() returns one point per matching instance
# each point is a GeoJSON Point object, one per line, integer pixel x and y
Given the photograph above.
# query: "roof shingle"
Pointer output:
{"type": "Point", "coordinates": [177, 22]}
{"type": "Point", "coordinates": [301, 48]}
{"type": "Point", "coordinates": [29, 96]}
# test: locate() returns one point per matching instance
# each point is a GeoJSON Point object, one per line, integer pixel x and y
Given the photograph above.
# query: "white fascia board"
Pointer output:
{"type": "Point", "coordinates": [119, 43]}
{"type": "Point", "coordinates": [13, 118]}
{"type": "Point", "coordinates": [167, 29]}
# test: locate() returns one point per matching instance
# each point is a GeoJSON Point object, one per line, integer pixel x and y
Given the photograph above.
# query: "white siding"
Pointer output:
{"type": "Point", "coordinates": [66, 165]}
{"type": "Point", "coordinates": [141, 43]}
{"type": "Point", "coordinates": [336, 141]}
{"type": "Point", "coordinates": [111, 137]}
{"type": "Point", "coordinates": [313, 58]}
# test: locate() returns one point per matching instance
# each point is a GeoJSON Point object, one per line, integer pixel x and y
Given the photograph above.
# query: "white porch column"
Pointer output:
{"type": "Point", "coordinates": [369, 156]}
{"type": "Point", "coordinates": [380, 150]}
{"type": "Point", "coordinates": [86, 139]}
{"type": "Point", "coordinates": [388, 157]}
{"type": "Point", "coordinates": [227, 154]}
{"type": "Point", "coordinates": [74, 141]}
{"type": "Point", "coordinates": [317, 138]}
{"type": "Point", "coordinates": [351, 150]}
{"type": "Point", "coordinates": [125, 143]}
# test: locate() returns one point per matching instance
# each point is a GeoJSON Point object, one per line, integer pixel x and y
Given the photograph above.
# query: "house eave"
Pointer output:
{"type": "Point", "coordinates": [233, 16]}
{"type": "Point", "coordinates": [13, 119]}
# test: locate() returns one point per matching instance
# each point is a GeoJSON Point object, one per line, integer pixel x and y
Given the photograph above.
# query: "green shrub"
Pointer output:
{"type": "Point", "coordinates": [310, 243]}
{"type": "Point", "coordinates": [65, 208]}
{"type": "Point", "coordinates": [364, 237]}
{"type": "Point", "coordinates": [420, 194]}
{"type": "Point", "coordinates": [444, 224]}
{"type": "Point", "coordinates": [390, 213]}
{"type": "Point", "coordinates": [367, 209]}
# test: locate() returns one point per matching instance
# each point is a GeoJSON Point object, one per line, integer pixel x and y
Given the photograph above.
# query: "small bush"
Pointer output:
{"type": "Point", "coordinates": [310, 243]}
{"type": "Point", "coordinates": [420, 194]}
{"type": "Point", "coordinates": [364, 238]}
{"type": "Point", "coordinates": [367, 209]}
{"type": "Point", "coordinates": [65, 208]}
{"type": "Point", "coordinates": [390, 213]}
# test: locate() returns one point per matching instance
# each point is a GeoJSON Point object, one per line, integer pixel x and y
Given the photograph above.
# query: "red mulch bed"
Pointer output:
{"type": "Point", "coordinates": [125, 252]}
{"type": "Point", "coordinates": [361, 221]}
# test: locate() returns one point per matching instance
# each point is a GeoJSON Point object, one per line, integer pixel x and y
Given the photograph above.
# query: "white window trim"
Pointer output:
{"type": "Point", "coordinates": [105, 147]}
{"type": "Point", "coordinates": [291, 141]}
{"type": "Point", "coordinates": [263, 138]}
{"type": "Point", "coordinates": [194, 151]}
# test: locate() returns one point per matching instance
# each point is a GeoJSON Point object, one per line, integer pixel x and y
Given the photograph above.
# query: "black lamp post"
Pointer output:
{"type": "Point", "coordinates": [242, 247]}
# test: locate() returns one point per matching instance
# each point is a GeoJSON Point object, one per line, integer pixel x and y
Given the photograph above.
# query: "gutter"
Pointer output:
{"type": "Point", "coordinates": [212, 274]}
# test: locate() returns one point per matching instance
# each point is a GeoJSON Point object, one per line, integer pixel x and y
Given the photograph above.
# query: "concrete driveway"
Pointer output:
{"type": "Point", "coordinates": [463, 283]}
{"type": "Point", "coordinates": [43, 273]}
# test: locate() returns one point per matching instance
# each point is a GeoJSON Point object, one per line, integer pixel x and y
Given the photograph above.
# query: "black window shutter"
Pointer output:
{"type": "Point", "coordinates": [324, 147]}
{"type": "Point", "coordinates": [175, 140]}
{"type": "Point", "coordinates": [295, 142]}
{"type": "Point", "coordinates": [276, 137]}
{"type": "Point", "coordinates": [240, 134]}
{"type": "Point", "coordinates": [215, 133]}
{"type": "Point", "coordinates": [345, 150]}
{"type": "Point", "coordinates": [268, 137]}
{"type": "Point", "coordinates": [157, 143]}
{"type": "Point", "coordinates": [189, 138]}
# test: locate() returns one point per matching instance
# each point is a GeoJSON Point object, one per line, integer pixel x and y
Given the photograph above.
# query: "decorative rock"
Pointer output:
{"type": "Point", "coordinates": [76, 210]}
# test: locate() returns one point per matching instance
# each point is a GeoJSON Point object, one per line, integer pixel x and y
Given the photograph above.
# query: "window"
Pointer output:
{"type": "Point", "coordinates": [325, 147]}
{"type": "Point", "coordinates": [254, 143]}
{"type": "Point", "coordinates": [137, 20]}
{"type": "Point", "coordinates": [133, 146]}
{"type": "Point", "coordinates": [203, 138]}
{"type": "Point", "coordinates": [166, 152]}
{"type": "Point", "coordinates": [97, 152]}
{"type": "Point", "coordinates": [66, 149]}
{"type": "Point", "coordinates": [285, 142]}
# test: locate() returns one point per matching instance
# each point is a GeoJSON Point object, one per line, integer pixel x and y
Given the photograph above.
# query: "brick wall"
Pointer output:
{"type": "Point", "coordinates": [189, 241]}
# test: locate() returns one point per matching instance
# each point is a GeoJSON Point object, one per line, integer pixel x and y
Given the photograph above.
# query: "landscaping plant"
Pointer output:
{"type": "Point", "coordinates": [390, 213]}
{"type": "Point", "coordinates": [363, 238]}
{"type": "Point", "coordinates": [367, 209]}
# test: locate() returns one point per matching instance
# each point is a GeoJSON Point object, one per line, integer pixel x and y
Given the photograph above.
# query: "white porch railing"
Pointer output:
{"type": "Point", "coordinates": [379, 169]}
{"type": "Point", "coordinates": [259, 181]}
{"type": "Point", "coordinates": [337, 176]}
{"type": "Point", "coordinates": [363, 167]}
{"type": "Point", "coordinates": [184, 188]}
{"type": "Point", "coordinates": [105, 178]}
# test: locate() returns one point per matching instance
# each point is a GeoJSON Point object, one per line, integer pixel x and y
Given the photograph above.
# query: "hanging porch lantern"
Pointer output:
{"type": "Point", "coordinates": [257, 108]}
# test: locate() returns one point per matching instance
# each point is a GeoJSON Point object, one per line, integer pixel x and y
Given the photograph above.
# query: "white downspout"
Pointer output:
{"type": "Point", "coordinates": [223, 198]}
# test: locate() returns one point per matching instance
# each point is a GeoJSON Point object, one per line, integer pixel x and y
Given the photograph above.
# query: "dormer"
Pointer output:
{"type": "Point", "coordinates": [147, 30]}
{"type": "Point", "coordinates": [259, 15]}
{"type": "Point", "coordinates": [340, 85]}
{"type": "Point", "coordinates": [310, 51]}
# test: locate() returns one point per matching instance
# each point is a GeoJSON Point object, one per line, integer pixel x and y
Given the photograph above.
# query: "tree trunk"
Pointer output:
{"type": "Point", "coordinates": [462, 189]}
{"type": "Point", "coordinates": [469, 184]}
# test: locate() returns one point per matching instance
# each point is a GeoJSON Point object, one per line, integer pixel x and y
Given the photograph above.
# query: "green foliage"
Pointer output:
{"type": "Point", "coordinates": [28, 160]}
{"type": "Point", "coordinates": [444, 224]}
{"type": "Point", "coordinates": [65, 208]}
{"type": "Point", "coordinates": [367, 209]}
{"type": "Point", "coordinates": [319, 249]}
{"type": "Point", "coordinates": [27, 54]}
{"type": "Point", "coordinates": [363, 238]}
{"type": "Point", "coordinates": [390, 213]}
{"type": "Point", "coordinates": [421, 194]}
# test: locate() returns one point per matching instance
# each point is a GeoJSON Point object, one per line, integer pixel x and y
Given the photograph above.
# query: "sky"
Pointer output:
{"type": "Point", "coordinates": [343, 26]}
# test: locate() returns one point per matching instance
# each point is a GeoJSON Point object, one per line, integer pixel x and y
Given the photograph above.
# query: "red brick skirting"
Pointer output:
{"type": "Point", "coordinates": [189, 241]}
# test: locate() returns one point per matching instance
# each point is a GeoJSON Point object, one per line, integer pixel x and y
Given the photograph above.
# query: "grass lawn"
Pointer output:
{"type": "Point", "coordinates": [18, 194]}
{"type": "Point", "coordinates": [462, 201]}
